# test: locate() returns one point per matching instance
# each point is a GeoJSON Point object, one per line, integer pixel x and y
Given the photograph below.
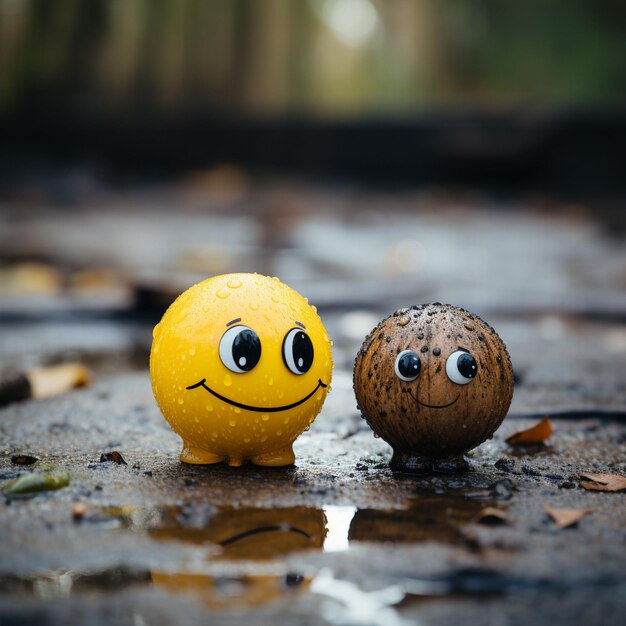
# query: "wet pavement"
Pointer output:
{"type": "Point", "coordinates": [336, 539]}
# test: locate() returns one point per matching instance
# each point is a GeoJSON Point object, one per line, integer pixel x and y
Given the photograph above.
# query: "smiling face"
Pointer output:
{"type": "Point", "coordinates": [433, 380]}
{"type": "Point", "coordinates": [240, 365]}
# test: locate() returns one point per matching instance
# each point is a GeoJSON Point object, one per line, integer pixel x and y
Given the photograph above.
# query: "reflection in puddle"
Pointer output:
{"type": "Point", "coordinates": [246, 534]}
{"type": "Point", "coordinates": [249, 533]}
{"type": "Point", "coordinates": [429, 519]}
{"type": "Point", "coordinates": [338, 520]}
{"type": "Point", "coordinates": [228, 592]}
{"type": "Point", "coordinates": [242, 558]}
{"type": "Point", "coordinates": [264, 536]}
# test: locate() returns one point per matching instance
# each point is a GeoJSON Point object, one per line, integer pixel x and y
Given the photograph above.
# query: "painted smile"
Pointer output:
{"type": "Point", "coordinates": [259, 409]}
{"type": "Point", "coordinates": [434, 406]}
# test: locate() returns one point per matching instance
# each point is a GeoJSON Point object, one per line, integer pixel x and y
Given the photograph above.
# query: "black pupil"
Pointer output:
{"type": "Point", "coordinates": [409, 365]}
{"type": "Point", "coordinates": [466, 365]}
{"type": "Point", "coordinates": [302, 352]}
{"type": "Point", "coordinates": [246, 349]}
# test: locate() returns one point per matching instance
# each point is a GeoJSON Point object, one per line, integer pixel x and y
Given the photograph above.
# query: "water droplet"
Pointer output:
{"type": "Point", "coordinates": [183, 357]}
{"type": "Point", "coordinates": [234, 283]}
{"type": "Point", "coordinates": [214, 435]}
{"type": "Point", "coordinates": [246, 439]}
{"type": "Point", "coordinates": [237, 409]}
{"type": "Point", "coordinates": [332, 343]}
{"type": "Point", "coordinates": [254, 306]}
{"type": "Point", "coordinates": [196, 419]}
{"type": "Point", "coordinates": [181, 400]}
{"type": "Point", "coordinates": [275, 298]}
{"type": "Point", "coordinates": [206, 307]}
{"type": "Point", "coordinates": [192, 350]}
{"type": "Point", "coordinates": [263, 438]}
{"type": "Point", "coordinates": [314, 308]}
{"type": "Point", "coordinates": [156, 330]}
{"type": "Point", "coordinates": [228, 380]}
{"type": "Point", "coordinates": [286, 420]}
{"type": "Point", "coordinates": [209, 407]}
{"type": "Point", "coordinates": [270, 381]}
{"type": "Point", "coordinates": [265, 417]}
{"type": "Point", "coordinates": [222, 293]}
{"type": "Point", "coordinates": [279, 432]}
{"type": "Point", "coordinates": [232, 423]}
{"type": "Point", "coordinates": [376, 436]}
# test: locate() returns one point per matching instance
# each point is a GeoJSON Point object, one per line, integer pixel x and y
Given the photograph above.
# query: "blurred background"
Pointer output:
{"type": "Point", "coordinates": [523, 95]}
{"type": "Point", "coordinates": [371, 154]}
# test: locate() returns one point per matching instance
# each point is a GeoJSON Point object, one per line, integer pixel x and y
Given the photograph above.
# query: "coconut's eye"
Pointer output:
{"type": "Point", "coordinates": [407, 366]}
{"type": "Point", "coordinates": [461, 367]}
{"type": "Point", "coordinates": [297, 351]}
{"type": "Point", "coordinates": [240, 349]}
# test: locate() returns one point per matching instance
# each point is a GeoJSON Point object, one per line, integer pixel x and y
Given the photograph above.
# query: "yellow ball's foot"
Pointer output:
{"type": "Point", "coordinates": [197, 456]}
{"type": "Point", "coordinates": [276, 458]}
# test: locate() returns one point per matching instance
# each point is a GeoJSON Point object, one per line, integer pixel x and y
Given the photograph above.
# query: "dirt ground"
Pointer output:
{"type": "Point", "coordinates": [337, 539]}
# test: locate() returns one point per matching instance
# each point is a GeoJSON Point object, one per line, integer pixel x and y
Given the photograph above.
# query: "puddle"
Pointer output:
{"type": "Point", "coordinates": [242, 558]}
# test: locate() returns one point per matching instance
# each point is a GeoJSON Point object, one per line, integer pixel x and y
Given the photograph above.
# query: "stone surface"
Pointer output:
{"type": "Point", "coordinates": [337, 539]}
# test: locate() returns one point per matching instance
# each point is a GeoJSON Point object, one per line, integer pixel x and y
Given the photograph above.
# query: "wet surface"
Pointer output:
{"type": "Point", "coordinates": [338, 538]}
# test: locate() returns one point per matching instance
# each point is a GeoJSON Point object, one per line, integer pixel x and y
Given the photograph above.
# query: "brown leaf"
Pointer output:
{"type": "Point", "coordinates": [603, 482]}
{"type": "Point", "coordinates": [536, 434]}
{"type": "Point", "coordinates": [491, 515]}
{"type": "Point", "coordinates": [563, 518]}
{"type": "Point", "coordinates": [114, 456]}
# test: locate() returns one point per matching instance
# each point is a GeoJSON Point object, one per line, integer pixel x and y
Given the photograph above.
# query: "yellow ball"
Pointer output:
{"type": "Point", "coordinates": [240, 365]}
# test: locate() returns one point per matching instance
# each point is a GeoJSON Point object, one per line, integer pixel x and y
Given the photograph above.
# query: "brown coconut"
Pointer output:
{"type": "Point", "coordinates": [432, 417]}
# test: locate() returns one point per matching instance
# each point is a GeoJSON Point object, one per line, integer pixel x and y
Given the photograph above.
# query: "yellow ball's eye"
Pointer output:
{"type": "Point", "coordinates": [297, 351]}
{"type": "Point", "coordinates": [240, 349]}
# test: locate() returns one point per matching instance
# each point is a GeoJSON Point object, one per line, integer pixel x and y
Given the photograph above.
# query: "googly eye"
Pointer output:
{"type": "Point", "coordinates": [461, 367]}
{"type": "Point", "coordinates": [407, 366]}
{"type": "Point", "coordinates": [297, 351]}
{"type": "Point", "coordinates": [240, 349]}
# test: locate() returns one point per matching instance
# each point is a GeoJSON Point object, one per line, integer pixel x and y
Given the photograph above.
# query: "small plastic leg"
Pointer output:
{"type": "Point", "coordinates": [276, 458]}
{"type": "Point", "coordinates": [197, 456]}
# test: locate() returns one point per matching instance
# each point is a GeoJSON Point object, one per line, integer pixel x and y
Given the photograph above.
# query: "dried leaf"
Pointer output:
{"type": "Point", "coordinates": [563, 518]}
{"type": "Point", "coordinates": [491, 515]}
{"type": "Point", "coordinates": [603, 482]}
{"type": "Point", "coordinates": [24, 459]}
{"type": "Point", "coordinates": [114, 456]}
{"type": "Point", "coordinates": [52, 381]}
{"type": "Point", "coordinates": [536, 434]}
{"type": "Point", "coordinates": [36, 482]}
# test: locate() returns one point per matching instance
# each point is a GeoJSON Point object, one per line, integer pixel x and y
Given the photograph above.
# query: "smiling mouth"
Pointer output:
{"type": "Point", "coordinates": [434, 406]}
{"type": "Point", "coordinates": [259, 409]}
